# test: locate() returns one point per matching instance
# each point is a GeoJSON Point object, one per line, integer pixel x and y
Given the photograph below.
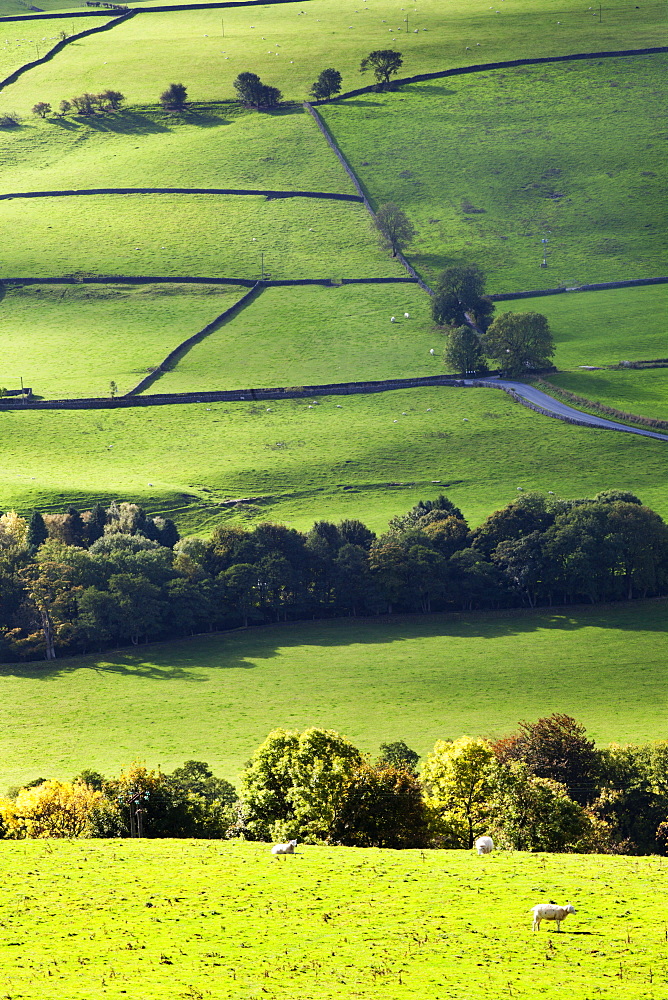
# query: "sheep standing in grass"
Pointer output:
{"type": "Point", "coordinates": [278, 850]}
{"type": "Point", "coordinates": [484, 845]}
{"type": "Point", "coordinates": [550, 911]}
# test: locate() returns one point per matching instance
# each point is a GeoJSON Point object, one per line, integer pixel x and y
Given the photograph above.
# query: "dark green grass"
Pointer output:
{"type": "Point", "coordinates": [307, 335]}
{"type": "Point", "coordinates": [289, 44]}
{"type": "Point", "coordinates": [489, 165]}
{"type": "Point", "coordinates": [190, 235]}
{"type": "Point", "coordinates": [418, 678]}
{"type": "Point", "coordinates": [644, 393]}
{"type": "Point", "coordinates": [374, 456]}
{"type": "Point", "coordinates": [603, 328]}
{"type": "Point", "coordinates": [208, 146]}
{"type": "Point", "coordinates": [67, 341]}
{"type": "Point", "coordinates": [165, 919]}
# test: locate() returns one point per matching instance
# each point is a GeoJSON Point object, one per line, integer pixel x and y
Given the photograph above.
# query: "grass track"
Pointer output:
{"type": "Point", "coordinates": [488, 165]}
{"type": "Point", "coordinates": [110, 332]}
{"type": "Point", "coordinates": [304, 336]}
{"type": "Point", "coordinates": [185, 919]}
{"type": "Point", "coordinates": [289, 45]}
{"type": "Point", "coordinates": [416, 678]}
{"type": "Point", "coordinates": [373, 457]}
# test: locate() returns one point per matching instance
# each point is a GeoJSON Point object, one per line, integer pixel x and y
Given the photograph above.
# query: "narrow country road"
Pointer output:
{"type": "Point", "coordinates": [553, 407]}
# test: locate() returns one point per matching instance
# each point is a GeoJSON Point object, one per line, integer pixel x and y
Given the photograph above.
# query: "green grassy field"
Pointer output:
{"type": "Point", "coordinates": [209, 146]}
{"type": "Point", "coordinates": [312, 335]}
{"type": "Point", "coordinates": [417, 678]}
{"type": "Point", "coordinates": [23, 41]}
{"type": "Point", "coordinates": [169, 919]}
{"type": "Point", "coordinates": [67, 341]}
{"type": "Point", "coordinates": [488, 165]}
{"type": "Point", "coordinates": [644, 393]}
{"type": "Point", "coordinates": [190, 235]}
{"type": "Point", "coordinates": [374, 456]}
{"type": "Point", "coordinates": [603, 328]}
{"type": "Point", "coordinates": [289, 44]}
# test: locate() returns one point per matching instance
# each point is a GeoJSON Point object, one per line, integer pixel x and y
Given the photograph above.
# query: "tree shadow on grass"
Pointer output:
{"type": "Point", "coordinates": [242, 649]}
{"type": "Point", "coordinates": [129, 122]}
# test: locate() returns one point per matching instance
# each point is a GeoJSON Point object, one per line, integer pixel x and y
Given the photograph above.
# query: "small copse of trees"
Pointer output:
{"type": "Point", "coordinates": [252, 93]}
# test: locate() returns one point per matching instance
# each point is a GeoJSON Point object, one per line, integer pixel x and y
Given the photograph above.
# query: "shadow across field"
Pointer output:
{"type": "Point", "coordinates": [239, 649]}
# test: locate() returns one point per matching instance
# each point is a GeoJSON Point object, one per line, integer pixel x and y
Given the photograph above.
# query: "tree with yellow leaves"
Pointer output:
{"type": "Point", "coordinates": [457, 777]}
{"type": "Point", "coordinates": [52, 809]}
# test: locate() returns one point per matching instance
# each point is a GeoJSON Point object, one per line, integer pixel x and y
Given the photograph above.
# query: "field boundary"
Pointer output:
{"type": "Point", "coordinates": [181, 349]}
{"type": "Point", "coordinates": [43, 16]}
{"type": "Point", "coordinates": [270, 195]}
{"type": "Point", "coordinates": [143, 279]}
{"type": "Point", "coordinates": [332, 143]}
{"type": "Point", "coordinates": [59, 46]}
{"type": "Point", "coordinates": [593, 287]}
{"type": "Point", "coordinates": [486, 67]}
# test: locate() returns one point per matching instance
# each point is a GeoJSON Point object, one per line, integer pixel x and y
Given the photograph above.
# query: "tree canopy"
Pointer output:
{"type": "Point", "coordinates": [394, 227]}
{"type": "Point", "coordinates": [463, 351]}
{"type": "Point", "coordinates": [384, 63]}
{"type": "Point", "coordinates": [252, 93]}
{"type": "Point", "coordinates": [461, 291]}
{"type": "Point", "coordinates": [327, 85]}
{"type": "Point", "coordinates": [519, 342]}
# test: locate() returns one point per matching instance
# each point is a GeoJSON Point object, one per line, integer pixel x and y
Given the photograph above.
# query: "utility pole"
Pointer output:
{"type": "Point", "coordinates": [222, 24]}
{"type": "Point", "coordinates": [262, 254]}
{"type": "Point", "coordinates": [406, 20]}
{"type": "Point", "coordinates": [600, 13]}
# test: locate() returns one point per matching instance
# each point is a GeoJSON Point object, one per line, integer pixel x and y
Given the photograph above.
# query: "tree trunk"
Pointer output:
{"type": "Point", "coordinates": [47, 629]}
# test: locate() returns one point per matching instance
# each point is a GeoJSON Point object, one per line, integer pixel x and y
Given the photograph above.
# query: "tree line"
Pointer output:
{"type": "Point", "coordinates": [84, 581]}
{"type": "Point", "coordinates": [546, 787]}
{"type": "Point", "coordinates": [250, 91]}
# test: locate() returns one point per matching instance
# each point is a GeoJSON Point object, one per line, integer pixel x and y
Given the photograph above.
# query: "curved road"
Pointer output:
{"type": "Point", "coordinates": [553, 407]}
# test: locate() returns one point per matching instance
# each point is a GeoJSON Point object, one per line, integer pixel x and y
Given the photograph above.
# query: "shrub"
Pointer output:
{"type": "Point", "coordinates": [42, 109]}
{"type": "Point", "coordinates": [84, 104]}
{"type": "Point", "coordinates": [9, 119]}
{"type": "Point", "coordinates": [64, 107]}
{"type": "Point", "coordinates": [110, 100]}
{"type": "Point", "coordinates": [252, 93]}
{"type": "Point", "coordinates": [175, 97]}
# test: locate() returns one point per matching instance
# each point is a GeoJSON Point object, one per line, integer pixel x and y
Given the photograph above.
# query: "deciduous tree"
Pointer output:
{"type": "Point", "coordinates": [460, 293]}
{"type": "Point", "coordinates": [457, 777]}
{"type": "Point", "coordinates": [520, 342]}
{"type": "Point", "coordinates": [463, 351]}
{"type": "Point", "coordinates": [327, 85]}
{"type": "Point", "coordinates": [395, 229]}
{"type": "Point", "coordinates": [384, 63]}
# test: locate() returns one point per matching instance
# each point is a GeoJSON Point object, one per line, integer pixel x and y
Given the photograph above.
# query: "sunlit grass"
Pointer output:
{"type": "Point", "coordinates": [488, 166]}
{"type": "Point", "coordinates": [90, 919]}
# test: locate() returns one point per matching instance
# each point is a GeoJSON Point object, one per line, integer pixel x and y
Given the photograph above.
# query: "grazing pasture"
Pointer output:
{"type": "Point", "coordinates": [489, 165]}
{"type": "Point", "coordinates": [418, 678]}
{"type": "Point", "coordinates": [24, 41]}
{"type": "Point", "coordinates": [192, 235]}
{"type": "Point", "coordinates": [299, 460]}
{"type": "Point", "coordinates": [90, 919]}
{"type": "Point", "coordinates": [211, 145]}
{"type": "Point", "coordinates": [644, 393]}
{"type": "Point", "coordinates": [288, 44]}
{"type": "Point", "coordinates": [73, 340]}
{"type": "Point", "coordinates": [603, 328]}
{"type": "Point", "coordinates": [311, 335]}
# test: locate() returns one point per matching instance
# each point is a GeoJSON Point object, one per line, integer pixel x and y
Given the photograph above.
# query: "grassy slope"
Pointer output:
{"type": "Point", "coordinates": [504, 143]}
{"type": "Point", "coordinates": [303, 336]}
{"type": "Point", "coordinates": [114, 918]}
{"type": "Point", "coordinates": [210, 146]}
{"type": "Point", "coordinates": [603, 328]}
{"type": "Point", "coordinates": [72, 341]}
{"type": "Point", "coordinates": [23, 41]}
{"type": "Point", "coordinates": [415, 678]}
{"type": "Point", "coordinates": [217, 236]}
{"type": "Point", "coordinates": [290, 44]}
{"type": "Point", "coordinates": [371, 458]}
{"type": "Point", "coordinates": [639, 392]}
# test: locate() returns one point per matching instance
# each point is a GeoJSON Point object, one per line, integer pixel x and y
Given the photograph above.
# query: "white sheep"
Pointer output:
{"type": "Point", "coordinates": [550, 911]}
{"type": "Point", "coordinates": [484, 845]}
{"type": "Point", "coordinates": [280, 849]}
{"type": "Point", "coordinates": [407, 315]}
{"type": "Point", "coordinates": [393, 319]}
{"type": "Point", "coordinates": [432, 352]}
